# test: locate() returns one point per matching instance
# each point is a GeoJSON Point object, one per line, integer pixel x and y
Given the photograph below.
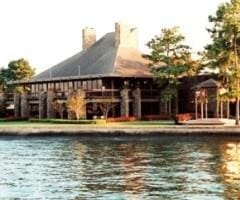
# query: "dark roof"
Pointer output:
{"type": "Point", "coordinates": [210, 83]}
{"type": "Point", "coordinates": [101, 59]}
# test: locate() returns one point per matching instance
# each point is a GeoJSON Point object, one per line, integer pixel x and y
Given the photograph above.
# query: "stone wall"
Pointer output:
{"type": "Point", "coordinates": [137, 111]}
{"type": "Point", "coordinates": [17, 100]}
{"type": "Point", "coordinates": [125, 102]}
{"type": "Point", "coordinates": [51, 113]}
{"type": "Point", "coordinates": [42, 105]}
{"type": "Point", "coordinates": [24, 105]}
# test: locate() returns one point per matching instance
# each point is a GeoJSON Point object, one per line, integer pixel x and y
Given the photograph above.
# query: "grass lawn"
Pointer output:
{"type": "Point", "coordinates": [133, 124]}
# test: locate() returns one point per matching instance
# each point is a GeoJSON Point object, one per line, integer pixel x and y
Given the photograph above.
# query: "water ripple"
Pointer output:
{"type": "Point", "coordinates": [84, 168]}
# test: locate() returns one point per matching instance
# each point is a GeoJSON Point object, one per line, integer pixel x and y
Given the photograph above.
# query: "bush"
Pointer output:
{"type": "Point", "coordinates": [121, 119]}
{"type": "Point", "coordinates": [183, 117]}
{"type": "Point", "coordinates": [13, 119]}
{"type": "Point", "coordinates": [156, 117]}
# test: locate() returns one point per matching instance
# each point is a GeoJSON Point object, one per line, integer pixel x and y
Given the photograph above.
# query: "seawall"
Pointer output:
{"type": "Point", "coordinates": [121, 131]}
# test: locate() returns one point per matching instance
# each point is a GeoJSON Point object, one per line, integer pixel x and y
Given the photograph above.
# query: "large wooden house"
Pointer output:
{"type": "Point", "coordinates": [111, 70]}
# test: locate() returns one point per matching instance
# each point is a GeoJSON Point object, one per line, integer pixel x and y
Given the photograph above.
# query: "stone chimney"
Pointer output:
{"type": "Point", "coordinates": [88, 37]}
{"type": "Point", "coordinates": [125, 36]}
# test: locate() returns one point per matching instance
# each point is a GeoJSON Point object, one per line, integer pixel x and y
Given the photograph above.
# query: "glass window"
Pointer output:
{"type": "Point", "coordinates": [57, 85]}
{"type": "Point", "coordinates": [79, 84]}
{"type": "Point", "coordinates": [44, 86]}
{"type": "Point", "coordinates": [70, 85]}
{"type": "Point", "coordinates": [84, 85]}
{"type": "Point", "coordinates": [99, 83]}
{"type": "Point", "coordinates": [89, 84]}
{"type": "Point", "coordinates": [33, 88]}
{"type": "Point", "coordinates": [65, 86]}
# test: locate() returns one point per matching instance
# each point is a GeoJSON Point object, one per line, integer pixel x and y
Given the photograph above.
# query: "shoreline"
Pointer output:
{"type": "Point", "coordinates": [122, 131]}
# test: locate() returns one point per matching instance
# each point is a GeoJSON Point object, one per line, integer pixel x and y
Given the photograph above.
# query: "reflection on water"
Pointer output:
{"type": "Point", "coordinates": [117, 168]}
{"type": "Point", "coordinates": [229, 168]}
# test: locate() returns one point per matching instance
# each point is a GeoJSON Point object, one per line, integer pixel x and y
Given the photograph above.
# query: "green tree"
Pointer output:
{"type": "Point", "coordinates": [17, 70]}
{"type": "Point", "coordinates": [223, 53]}
{"type": "Point", "coordinates": [232, 21]}
{"type": "Point", "coordinates": [170, 60]}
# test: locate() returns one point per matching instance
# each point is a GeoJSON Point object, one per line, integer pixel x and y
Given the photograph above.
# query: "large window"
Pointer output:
{"type": "Point", "coordinates": [94, 84]}
{"type": "Point", "coordinates": [84, 85]}
{"type": "Point", "coordinates": [89, 84]}
{"type": "Point", "coordinates": [57, 86]}
{"type": "Point", "coordinates": [99, 84]}
{"type": "Point", "coordinates": [66, 86]}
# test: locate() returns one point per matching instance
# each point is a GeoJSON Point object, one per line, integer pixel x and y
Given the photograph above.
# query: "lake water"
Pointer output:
{"type": "Point", "coordinates": [120, 168]}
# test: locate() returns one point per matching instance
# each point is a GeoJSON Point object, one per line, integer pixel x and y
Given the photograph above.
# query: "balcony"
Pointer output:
{"type": "Point", "coordinates": [103, 94]}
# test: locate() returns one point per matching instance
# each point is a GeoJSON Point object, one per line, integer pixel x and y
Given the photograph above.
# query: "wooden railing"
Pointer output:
{"type": "Point", "coordinates": [33, 96]}
{"type": "Point", "coordinates": [102, 94]}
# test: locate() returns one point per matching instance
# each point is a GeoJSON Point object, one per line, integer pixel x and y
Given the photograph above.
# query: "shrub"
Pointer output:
{"type": "Point", "coordinates": [12, 119]}
{"type": "Point", "coordinates": [156, 117]}
{"type": "Point", "coordinates": [121, 119]}
{"type": "Point", "coordinates": [183, 117]}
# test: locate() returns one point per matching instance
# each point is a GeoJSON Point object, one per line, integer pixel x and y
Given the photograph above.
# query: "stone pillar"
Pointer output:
{"type": "Point", "coordinates": [2, 104]}
{"type": "Point", "coordinates": [24, 105]}
{"type": "Point", "coordinates": [42, 111]}
{"type": "Point", "coordinates": [125, 102]}
{"type": "Point", "coordinates": [51, 113]}
{"type": "Point", "coordinates": [137, 107]}
{"type": "Point", "coordinates": [17, 99]}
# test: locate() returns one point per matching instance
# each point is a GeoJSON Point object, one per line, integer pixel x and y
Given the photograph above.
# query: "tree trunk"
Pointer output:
{"type": "Point", "coordinates": [206, 110]}
{"type": "Point", "coordinates": [196, 107]}
{"type": "Point", "coordinates": [166, 106]}
{"type": "Point", "coordinates": [201, 109]}
{"type": "Point", "coordinates": [221, 109]}
{"type": "Point", "coordinates": [77, 115]}
{"type": "Point", "coordinates": [237, 111]}
{"type": "Point", "coordinates": [170, 109]}
{"type": "Point", "coordinates": [228, 110]}
{"type": "Point", "coordinates": [176, 104]}
{"type": "Point", "coordinates": [236, 65]}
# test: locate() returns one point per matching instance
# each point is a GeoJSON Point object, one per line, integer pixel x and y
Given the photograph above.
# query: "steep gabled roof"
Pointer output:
{"type": "Point", "coordinates": [103, 58]}
{"type": "Point", "coordinates": [210, 83]}
{"type": "Point", "coordinates": [98, 59]}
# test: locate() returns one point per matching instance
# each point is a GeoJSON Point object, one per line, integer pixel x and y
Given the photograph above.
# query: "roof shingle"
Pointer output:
{"type": "Point", "coordinates": [102, 58]}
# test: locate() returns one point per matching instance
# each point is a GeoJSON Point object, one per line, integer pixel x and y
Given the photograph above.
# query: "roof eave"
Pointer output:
{"type": "Point", "coordinates": [76, 78]}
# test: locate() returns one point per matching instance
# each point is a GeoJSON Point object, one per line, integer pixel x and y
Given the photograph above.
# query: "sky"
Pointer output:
{"type": "Point", "coordinates": [45, 32]}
